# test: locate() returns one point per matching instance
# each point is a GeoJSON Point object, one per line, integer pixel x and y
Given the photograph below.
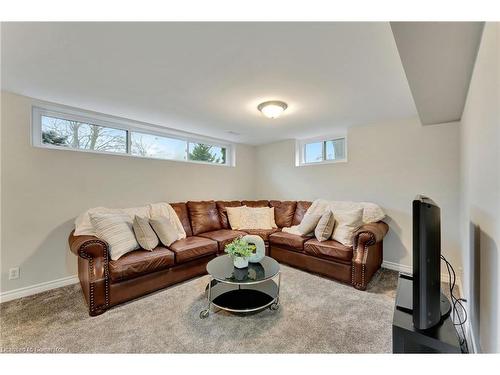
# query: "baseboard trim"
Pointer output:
{"type": "Point", "coordinates": [37, 288]}
{"type": "Point", "coordinates": [397, 267]}
{"type": "Point", "coordinates": [409, 269]}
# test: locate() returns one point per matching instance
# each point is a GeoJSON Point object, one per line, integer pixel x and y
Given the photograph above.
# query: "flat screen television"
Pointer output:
{"type": "Point", "coordinates": [426, 263]}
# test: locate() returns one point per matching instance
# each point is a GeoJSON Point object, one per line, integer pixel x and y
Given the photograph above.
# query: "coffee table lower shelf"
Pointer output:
{"type": "Point", "coordinates": [242, 298]}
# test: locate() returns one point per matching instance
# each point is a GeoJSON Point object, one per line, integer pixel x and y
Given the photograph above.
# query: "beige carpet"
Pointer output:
{"type": "Point", "coordinates": [317, 315]}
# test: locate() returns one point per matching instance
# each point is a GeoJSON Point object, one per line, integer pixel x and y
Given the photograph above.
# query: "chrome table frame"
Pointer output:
{"type": "Point", "coordinates": [274, 304]}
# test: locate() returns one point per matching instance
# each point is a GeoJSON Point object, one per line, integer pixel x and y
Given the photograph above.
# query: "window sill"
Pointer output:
{"type": "Point", "coordinates": [105, 153]}
{"type": "Point", "coordinates": [321, 163]}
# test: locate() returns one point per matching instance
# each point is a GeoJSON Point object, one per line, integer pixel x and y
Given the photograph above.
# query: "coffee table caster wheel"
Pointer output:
{"type": "Point", "coordinates": [204, 314]}
{"type": "Point", "coordinates": [275, 306]}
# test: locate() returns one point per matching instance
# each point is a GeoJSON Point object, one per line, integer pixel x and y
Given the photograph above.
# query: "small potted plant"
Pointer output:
{"type": "Point", "coordinates": [240, 251]}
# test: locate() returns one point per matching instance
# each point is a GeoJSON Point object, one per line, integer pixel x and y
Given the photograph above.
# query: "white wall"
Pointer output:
{"type": "Point", "coordinates": [388, 164]}
{"type": "Point", "coordinates": [480, 194]}
{"type": "Point", "coordinates": [43, 190]}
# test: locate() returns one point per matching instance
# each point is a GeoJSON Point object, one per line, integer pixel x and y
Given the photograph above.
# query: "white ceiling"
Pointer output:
{"type": "Point", "coordinates": [208, 78]}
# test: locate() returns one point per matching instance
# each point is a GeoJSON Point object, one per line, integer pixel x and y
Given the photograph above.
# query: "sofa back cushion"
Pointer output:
{"type": "Point", "coordinates": [261, 203]}
{"type": "Point", "coordinates": [204, 216]}
{"type": "Point", "coordinates": [300, 211]}
{"type": "Point", "coordinates": [182, 212]}
{"type": "Point", "coordinates": [283, 212]}
{"type": "Point", "coordinates": [221, 208]}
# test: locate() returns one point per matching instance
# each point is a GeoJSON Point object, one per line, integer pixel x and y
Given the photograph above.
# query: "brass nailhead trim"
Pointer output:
{"type": "Point", "coordinates": [90, 259]}
{"type": "Point", "coordinates": [368, 243]}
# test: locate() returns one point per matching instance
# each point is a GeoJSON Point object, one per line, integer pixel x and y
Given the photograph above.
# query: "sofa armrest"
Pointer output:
{"type": "Point", "coordinates": [367, 252]}
{"type": "Point", "coordinates": [87, 246]}
{"type": "Point", "coordinates": [93, 271]}
{"type": "Point", "coordinates": [370, 234]}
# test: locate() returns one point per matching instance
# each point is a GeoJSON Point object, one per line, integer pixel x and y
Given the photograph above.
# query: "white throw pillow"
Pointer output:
{"type": "Point", "coordinates": [347, 222]}
{"type": "Point", "coordinates": [234, 216]}
{"type": "Point", "coordinates": [269, 211]}
{"type": "Point", "coordinates": [324, 229]}
{"type": "Point", "coordinates": [308, 223]}
{"type": "Point", "coordinates": [165, 229]}
{"type": "Point", "coordinates": [84, 227]}
{"type": "Point", "coordinates": [371, 212]}
{"type": "Point", "coordinates": [162, 209]}
{"type": "Point", "coordinates": [256, 218]}
{"type": "Point", "coordinates": [144, 234]}
{"type": "Point", "coordinates": [116, 230]}
{"type": "Point", "coordinates": [271, 217]}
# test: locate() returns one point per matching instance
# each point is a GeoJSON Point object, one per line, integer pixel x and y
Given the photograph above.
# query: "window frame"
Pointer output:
{"type": "Point", "coordinates": [300, 150]}
{"type": "Point", "coordinates": [129, 126]}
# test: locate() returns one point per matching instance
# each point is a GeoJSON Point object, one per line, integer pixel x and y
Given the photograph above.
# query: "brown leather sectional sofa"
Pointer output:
{"type": "Point", "coordinates": [106, 283]}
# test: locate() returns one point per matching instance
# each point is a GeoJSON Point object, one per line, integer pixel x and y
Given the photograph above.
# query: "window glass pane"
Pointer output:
{"type": "Point", "coordinates": [80, 135]}
{"type": "Point", "coordinates": [208, 153]}
{"type": "Point", "coordinates": [313, 152]}
{"type": "Point", "coordinates": [335, 149]}
{"type": "Point", "coordinates": [155, 146]}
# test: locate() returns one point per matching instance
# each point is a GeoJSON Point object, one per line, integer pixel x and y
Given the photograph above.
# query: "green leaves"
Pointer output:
{"type": "Point", "coordinates": [240, 248]}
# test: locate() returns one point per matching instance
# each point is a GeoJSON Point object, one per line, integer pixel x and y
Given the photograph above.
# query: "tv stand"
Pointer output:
{"type": "Point", "coordinates": [441, 338]}
{"type": "Point", "coordinates": [404, 301]}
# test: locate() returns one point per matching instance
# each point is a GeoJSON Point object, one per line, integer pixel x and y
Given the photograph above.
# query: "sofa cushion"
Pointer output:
{"type": "Point", "coordinates": [263, 233]}
{"type": "Point", "coordinates": [204, 216]}
{"type": "Point", "coordinates": [193, 247]}
{"type": "Point", "coordinates": [140, 262]}
{"type": "Point", "coordinates": [300, 211]}
{"type": "Point", "coordinates": [261, 203]}
{"type": "Point", "coordinates": [288, 240]}
{"type": "Point", "coordinates": [221, 209]}
{"type": "Point", "coordinates": [283, 212]}
{"type": "Point", "coordinates": [182, 211]}
{"type": "Point", "coordinates": [331, 250]}
{"type": "Point", "coordinates": [223, 236]}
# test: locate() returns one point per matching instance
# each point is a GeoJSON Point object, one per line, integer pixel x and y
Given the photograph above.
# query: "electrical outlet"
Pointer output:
{"type": "Point", "coordinates": [14, 273]}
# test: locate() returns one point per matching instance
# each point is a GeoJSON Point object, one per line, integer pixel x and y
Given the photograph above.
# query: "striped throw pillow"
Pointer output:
{"type": "Point", "coordinates": [116, 230]}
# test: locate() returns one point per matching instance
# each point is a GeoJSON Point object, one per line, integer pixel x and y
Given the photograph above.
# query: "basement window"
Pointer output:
{"type": "Point", "coordinates": [321, 151]}
{"type": "Point", "coordinates": [69, 129]}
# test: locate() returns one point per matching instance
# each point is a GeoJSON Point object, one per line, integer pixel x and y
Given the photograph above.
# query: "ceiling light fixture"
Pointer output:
{"type": "Point", "coordinates": [273, 108]}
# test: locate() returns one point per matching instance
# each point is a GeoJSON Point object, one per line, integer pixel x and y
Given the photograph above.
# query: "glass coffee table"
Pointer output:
{"type": "Point", "coordinates": [242, 290]}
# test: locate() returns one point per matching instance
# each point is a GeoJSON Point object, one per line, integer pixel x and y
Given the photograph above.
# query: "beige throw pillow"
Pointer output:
{"type": "Point", "coordinates": [271, 216]}
{"type": "Point", "coordinates": [165, 229]}
{"type": "Point", "coordinates": [269, 211]}
{"type": "Point", "coordinates": [234, 215]}
{"type": "Point", "coordinates": [308, 223]}
{"type": "Point", "coordinates": [347, 222]}
{"type": "Point", "coordinates": [256, 218]}
{"type": "Point", "coordinates": [144, 234]}
{"type": "Point", "coordinates": [325, 226]}
{"type": "Point", "coordinates": [116, 230]}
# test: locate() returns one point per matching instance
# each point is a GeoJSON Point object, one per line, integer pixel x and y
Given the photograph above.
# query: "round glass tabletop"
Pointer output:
{"type": "Point", "coordinates": [222, 269]}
